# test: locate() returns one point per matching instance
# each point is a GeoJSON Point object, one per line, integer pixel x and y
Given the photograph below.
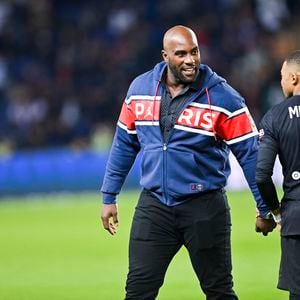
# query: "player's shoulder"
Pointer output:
{"type": "Point", "coordinates": [229, 98]}
{"type": "Point", "coordinates": [222, 93]}
{"type": "Point", "coordinates": [141, 80]}
{"type": "Point", "coordinates": [272, 112]}
{"type": "Point", "coordinates": [145, 83]}
{"type": "Point", "coordinates": [275, 117]}
{"type": "Point", "coordinates": [280, 110]}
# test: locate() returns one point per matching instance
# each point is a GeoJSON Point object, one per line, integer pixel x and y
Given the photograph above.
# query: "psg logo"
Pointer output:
{"type": "Point", "coordinates": [261, 132]}
{"type": "Point", "coordinates": [296, 175]}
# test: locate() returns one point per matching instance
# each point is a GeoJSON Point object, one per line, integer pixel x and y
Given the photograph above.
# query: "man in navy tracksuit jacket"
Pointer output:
{"type": "Point", "coordinates": [184, 119]}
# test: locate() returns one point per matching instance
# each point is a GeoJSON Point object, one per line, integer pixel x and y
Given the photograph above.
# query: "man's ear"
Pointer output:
{"type": "Point", "coordinates": [295, 78]}
{"type": "Point", "coordinates": [164, 55]}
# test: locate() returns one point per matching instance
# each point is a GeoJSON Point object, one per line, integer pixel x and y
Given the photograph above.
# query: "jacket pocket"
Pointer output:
{"type": "Point", "coordinates": [152, 170]}
{"type": "Point", "coordinates": [184, 175]}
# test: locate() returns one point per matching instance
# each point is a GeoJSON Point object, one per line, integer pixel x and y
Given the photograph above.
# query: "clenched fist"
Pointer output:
{"type": "Point", "coordinates": [264, 225]}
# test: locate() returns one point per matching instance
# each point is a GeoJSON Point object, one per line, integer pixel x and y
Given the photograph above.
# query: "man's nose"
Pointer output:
{"type": "Point", "coordinates": [190, 59]}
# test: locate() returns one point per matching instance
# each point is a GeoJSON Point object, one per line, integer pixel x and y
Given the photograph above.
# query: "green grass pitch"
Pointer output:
{"type": "Point", "coordinates": [53, 247]}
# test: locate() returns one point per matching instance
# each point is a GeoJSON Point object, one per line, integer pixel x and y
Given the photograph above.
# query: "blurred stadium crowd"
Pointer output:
{"type": "Point", "coordinates": [65, 66]}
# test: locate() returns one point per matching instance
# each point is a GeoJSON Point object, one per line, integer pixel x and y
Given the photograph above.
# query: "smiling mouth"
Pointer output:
{"type": "Point", "coordinates": [189, 71]}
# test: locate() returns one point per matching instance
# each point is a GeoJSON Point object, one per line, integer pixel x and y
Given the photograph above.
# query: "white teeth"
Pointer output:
{"type": "Point", "coordinates": [188, 70]}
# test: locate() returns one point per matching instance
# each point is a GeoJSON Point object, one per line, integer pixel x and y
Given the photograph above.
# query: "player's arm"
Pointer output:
{"type": "Point", "coordinates": [123, 153]}
{"type": "Point", "coordinates": [247, 158]}
{"type": "Point", "coordinates": [246, 154]}
{"type": "Point", "coordinates": [267, 153]}
{"type": "Point", "coordinates": [265, 163]}
{"type": "Point", "coordinates": [240, 134]}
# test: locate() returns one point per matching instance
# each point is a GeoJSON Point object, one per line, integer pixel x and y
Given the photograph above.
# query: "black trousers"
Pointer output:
{"type": "Point", "coordinates": [158, 231]}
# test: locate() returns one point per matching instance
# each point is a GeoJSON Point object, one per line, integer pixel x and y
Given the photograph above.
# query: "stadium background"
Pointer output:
{"type": "Point", "coordinates": [65, 67]}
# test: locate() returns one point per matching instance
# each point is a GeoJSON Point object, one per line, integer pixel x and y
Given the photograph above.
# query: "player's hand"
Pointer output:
{"type": "Point", "coordinates": [277, 216]}
{"type": "Point", "coordinates": [109, 217]}
{"type": "Point", "coordinates": [264, 225]}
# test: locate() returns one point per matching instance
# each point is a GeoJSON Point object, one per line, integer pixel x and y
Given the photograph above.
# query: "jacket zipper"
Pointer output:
{"type": "Point", "coordinates": [165, 147]}
{"type": "Point", "coordinates": [166, 195]}
{"type": "Point", "coordinates": [193, 97]}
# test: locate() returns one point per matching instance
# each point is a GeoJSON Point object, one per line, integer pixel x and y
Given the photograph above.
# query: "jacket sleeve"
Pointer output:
{"type": "Point", "coordinates": [267, 153]}
{"type": "Point", "coordinates": [124, 150]}
{"type": "Point", "coordinates": [246, 154]}
{"type": "Point", "coordinates": [238, 130]}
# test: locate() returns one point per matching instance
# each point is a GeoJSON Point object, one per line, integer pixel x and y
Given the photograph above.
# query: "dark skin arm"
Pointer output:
{"type": "Point", "coordinates": [109, 217]}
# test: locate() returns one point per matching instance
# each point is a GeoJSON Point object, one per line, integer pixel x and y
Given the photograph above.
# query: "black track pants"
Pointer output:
{"type": "Point", "coordinates": [158, 231]}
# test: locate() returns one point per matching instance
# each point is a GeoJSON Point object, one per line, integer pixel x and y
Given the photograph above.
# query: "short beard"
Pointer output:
{"type": "Point", "coordinates": [178, 76]}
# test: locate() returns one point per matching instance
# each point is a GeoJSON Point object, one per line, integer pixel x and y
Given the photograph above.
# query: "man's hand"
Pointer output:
{"type": "Point", "coordinates": [276, 215]}
{"type": "Point", "coordinates": [264, 225]}
{"type": "Point", "coordinates": [109, 217]}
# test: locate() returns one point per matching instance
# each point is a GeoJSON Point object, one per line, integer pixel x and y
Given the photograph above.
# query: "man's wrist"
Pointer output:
{"type": "Point", "coordinates": [273, 215]}
{"type": "Point", "coordinates": [109, 198]}
{"type": "Point", "coordinates": [263, 213]}
{"type": "Point", "coordinates": [267, 216]}
{"type": "Point", "coordinates": [276, 215]}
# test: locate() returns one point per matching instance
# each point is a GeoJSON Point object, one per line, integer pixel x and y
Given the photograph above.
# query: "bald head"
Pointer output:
{"type": "Point", "coordinates": [181, 54]}
{"type": "Point", "coordinates": [178, 35]}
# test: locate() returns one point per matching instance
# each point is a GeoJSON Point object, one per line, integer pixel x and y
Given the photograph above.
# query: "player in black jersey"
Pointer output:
{"type": "Point", "coordinates": [280, 135]}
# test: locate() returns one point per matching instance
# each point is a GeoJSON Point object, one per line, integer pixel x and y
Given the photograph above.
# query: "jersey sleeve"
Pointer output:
{"type": "Point", "coordinates": [267, 153]}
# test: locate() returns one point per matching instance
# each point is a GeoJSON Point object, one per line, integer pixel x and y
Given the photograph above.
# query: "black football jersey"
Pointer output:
{"type": "Point", "coordinates": [280, 134]}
